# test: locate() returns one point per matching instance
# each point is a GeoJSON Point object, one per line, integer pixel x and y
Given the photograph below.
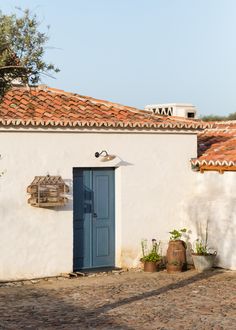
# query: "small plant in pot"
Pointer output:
{"type": "Point", "coordinates": [174, 266]}
{"type": "Point", "coordinates": [176, 252]}
{"type": "Point", "coordinates": [151, 258]}
{"type": "Point", "coordinates": [203, 257]}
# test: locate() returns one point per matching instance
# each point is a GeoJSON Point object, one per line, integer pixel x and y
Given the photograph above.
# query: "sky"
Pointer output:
{"type": "Point", "coordinates": [139, 52]}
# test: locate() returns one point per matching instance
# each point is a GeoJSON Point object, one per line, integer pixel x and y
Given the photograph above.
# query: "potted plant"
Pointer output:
{"type": "Point", "coordinates": [203, 257]}
{"type": "Point", "coordinates": [174, 266]}
{"type": "Point", "coordinates": [176, 252]}
{"type": "Point", "coordinates": [151, 258]}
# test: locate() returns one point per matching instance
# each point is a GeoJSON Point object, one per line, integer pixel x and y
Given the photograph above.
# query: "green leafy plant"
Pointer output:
{"type": "Point", "coordinates": [175, 263]}
{"type": "Point", "coordinates": [177, 234]}
{"type": "Point", "coordinates": [200, 246]}
{"type": "Point", "coordinates": [152, 255]}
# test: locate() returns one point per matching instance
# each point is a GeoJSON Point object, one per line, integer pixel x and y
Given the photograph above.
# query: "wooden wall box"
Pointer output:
{"type": "Point", "coordinates": [47, 191]}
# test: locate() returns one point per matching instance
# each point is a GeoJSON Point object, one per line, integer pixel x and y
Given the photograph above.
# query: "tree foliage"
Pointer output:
{"type": "Point", "coordinates": [22, 48]}
{"type": "Point", "coordinates": [231, 116]}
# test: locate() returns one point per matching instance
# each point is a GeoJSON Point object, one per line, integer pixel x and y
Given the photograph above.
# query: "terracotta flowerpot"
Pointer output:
{"type": "Point", "coordinates": [176, 252]}
{"type": "Point", "coordinates": [174, 268]}
{"type": "Point", "coordinates": [150, 266]}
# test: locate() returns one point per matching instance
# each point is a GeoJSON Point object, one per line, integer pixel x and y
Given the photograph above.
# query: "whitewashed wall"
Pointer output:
{"type": "Point", "coordinates": [153, 177]}
{"type": "Point", "coordinates": [213, 201]}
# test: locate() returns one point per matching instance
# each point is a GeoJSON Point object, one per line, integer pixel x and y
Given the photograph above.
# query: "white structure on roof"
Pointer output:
{"type": "Point", "coordinates": [173, 109]}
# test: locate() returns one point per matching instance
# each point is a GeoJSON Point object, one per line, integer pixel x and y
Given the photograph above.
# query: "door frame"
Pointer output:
{"type": "Point", "coordinates": [101, 168]}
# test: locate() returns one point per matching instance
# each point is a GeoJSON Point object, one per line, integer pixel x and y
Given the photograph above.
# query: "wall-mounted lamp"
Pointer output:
{"type": "Point", "coordinates": [105, 157]}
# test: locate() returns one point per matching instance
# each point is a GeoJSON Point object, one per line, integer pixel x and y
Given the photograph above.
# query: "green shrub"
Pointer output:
{"type": "Point", "coordinates": [152, 255]}
{"type": "Point", "coordinates": [177, 234]}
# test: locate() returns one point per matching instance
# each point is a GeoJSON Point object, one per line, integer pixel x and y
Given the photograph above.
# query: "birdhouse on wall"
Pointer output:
{"type": "Point", "coordinates": [47, 191]}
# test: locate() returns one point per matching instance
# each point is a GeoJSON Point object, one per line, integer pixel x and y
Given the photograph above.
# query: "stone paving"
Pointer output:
{"type": "Point", "coordinates": [128, 300]}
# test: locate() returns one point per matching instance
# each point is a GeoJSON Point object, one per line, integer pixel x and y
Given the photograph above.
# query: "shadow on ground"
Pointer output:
{"type": "Point", "coordinates": [37, 308]}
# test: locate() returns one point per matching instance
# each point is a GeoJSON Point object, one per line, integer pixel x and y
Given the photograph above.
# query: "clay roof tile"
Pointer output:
{"type": "Point", "coordinates": [217, 145]}
{"type": "Point", "coordinates": [69, 109]}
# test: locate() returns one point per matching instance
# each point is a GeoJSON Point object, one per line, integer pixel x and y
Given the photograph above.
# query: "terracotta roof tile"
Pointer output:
{"type": "Point", "coordinates": [44, 106]}
{"type": "Point", "coordinates": [217, 145]}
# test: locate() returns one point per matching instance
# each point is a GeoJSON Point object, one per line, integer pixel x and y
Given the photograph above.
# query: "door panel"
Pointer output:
{"type": "Point", "coordinates": [102, 250]}
{"type": "Point", "coordinates": [82, 201]}
{"type": "Point", "coordinates": [101, 202]}
{"type": "Point", "coordinates": [94, 218]}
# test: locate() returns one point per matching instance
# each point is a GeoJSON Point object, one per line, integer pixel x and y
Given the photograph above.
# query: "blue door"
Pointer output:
{"type": "Point", "coordinates": [94, 218]}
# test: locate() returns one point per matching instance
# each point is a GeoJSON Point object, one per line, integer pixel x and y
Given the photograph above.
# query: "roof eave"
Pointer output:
{"type": "Point", "coordinates": [65, 124]}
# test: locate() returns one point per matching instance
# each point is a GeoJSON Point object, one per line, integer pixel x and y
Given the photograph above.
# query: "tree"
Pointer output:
{"type": "Point", "coordinates": [22, 48]}
{"type": "Point", "coordinates": [231, 116]}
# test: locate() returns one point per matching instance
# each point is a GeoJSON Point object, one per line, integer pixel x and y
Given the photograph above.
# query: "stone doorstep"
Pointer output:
{"type": "Point", "coordinates": [64, 276]}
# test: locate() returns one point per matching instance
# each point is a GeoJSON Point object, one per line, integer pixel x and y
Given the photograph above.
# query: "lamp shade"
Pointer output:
{"type": "Point", "coordinates": [105, 157]}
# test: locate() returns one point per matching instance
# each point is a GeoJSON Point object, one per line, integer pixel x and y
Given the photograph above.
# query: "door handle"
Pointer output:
{"type": "Point", "coordinates": [95, 215]}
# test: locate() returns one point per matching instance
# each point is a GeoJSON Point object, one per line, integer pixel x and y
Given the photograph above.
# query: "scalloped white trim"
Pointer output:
{"type": "Point", "coordinates": [91, 123]}
{"type": "Point", "coordinates": [213, 162]}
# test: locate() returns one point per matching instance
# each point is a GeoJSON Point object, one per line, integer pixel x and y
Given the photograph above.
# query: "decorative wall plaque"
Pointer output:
{"type": "Point", "coordinates": [47, 191]}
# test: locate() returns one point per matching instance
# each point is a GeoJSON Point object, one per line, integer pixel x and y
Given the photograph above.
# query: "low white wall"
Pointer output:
{"type": "Point", "coordinates": [213, 201]}
{"type": "Point", "coordinates": [153, 177]}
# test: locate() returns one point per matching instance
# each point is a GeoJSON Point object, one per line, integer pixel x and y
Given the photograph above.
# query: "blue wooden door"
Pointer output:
{"type": "Point", "coordinates": [94, 218]}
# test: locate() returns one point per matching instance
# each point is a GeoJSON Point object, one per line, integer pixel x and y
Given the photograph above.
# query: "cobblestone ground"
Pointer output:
{"type": "Point", "coordinates": [130, 300]}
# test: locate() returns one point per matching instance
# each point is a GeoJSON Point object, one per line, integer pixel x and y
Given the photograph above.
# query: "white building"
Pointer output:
{"type": "Point", "coordinates": [141, 193]}
{"type": "Point", "coordinates": [173, 109]}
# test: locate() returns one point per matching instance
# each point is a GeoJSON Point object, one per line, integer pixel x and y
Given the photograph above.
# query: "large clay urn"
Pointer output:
{"type": "Point", "coordinates": [176, 253]}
